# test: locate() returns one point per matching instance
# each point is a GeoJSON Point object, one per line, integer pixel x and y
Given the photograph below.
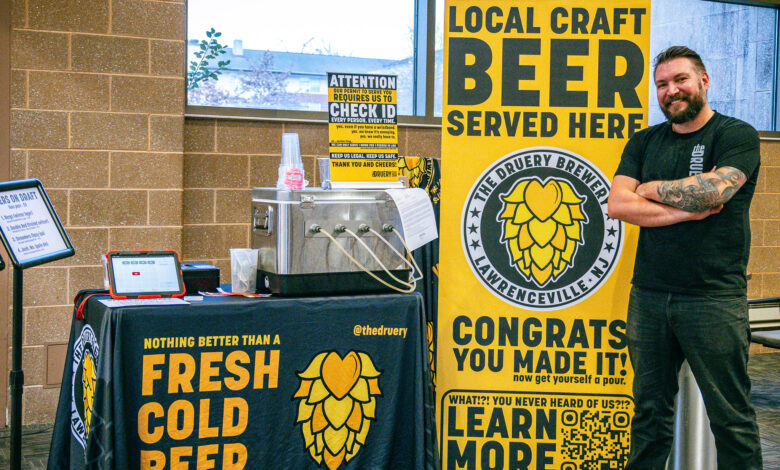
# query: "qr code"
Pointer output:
{"type": "Point", "coordinates": [595, 439]}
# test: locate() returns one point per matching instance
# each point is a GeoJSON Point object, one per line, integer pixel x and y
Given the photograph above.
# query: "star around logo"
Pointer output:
{"type": "Point", "coordinates": [536, 232]}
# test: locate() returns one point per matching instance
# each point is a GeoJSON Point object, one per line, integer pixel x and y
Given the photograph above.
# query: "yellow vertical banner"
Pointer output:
{"type": "Point", "coordinates": [539, 101]}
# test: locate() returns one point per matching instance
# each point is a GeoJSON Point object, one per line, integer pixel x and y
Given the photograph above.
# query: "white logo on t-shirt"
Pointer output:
{"type": "Point", "coordinates": [697, 160]}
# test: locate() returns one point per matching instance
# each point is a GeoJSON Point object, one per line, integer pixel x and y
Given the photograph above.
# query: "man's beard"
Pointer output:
{"type": "Point", "coordinates": [695, 104]}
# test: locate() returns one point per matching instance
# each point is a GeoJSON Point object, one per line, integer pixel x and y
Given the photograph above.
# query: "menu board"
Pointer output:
{"type": "Point", "coordinates": [29, 226]}
{"type": "Point", "coordinates": [363, 127]}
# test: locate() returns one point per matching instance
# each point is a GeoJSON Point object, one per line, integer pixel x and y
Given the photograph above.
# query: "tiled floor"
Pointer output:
{"type": "Point", "coordinates": [35, 447]}
{"type": "Point", "coordinates": [764, 372]}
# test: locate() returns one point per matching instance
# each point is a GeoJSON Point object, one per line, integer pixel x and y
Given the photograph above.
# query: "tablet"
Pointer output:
{"type": "Point", "coordinates": [144, 274]}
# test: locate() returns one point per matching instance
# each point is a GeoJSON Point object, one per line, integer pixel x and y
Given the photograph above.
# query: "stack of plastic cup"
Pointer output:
{"type": "Point", "coordinates": [324, 163]}
{"type": "Point", "coordinates": [291, 166]}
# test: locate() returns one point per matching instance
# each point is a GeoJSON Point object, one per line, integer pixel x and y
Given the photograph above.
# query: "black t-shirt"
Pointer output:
{"type": "Point", "coordinates": [706, 256]}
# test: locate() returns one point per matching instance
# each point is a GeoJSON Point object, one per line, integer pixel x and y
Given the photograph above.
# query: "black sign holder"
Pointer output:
{"type": "Point", "coordinates": [32, 235]}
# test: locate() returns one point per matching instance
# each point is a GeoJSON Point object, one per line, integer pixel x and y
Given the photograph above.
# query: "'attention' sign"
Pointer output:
{"type": "Point", "coordinates": [362, 127]}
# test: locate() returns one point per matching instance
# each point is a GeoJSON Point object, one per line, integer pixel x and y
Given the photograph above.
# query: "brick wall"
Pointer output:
{"type": "Point", "coordinates": [97, 112]}
{"type": "Point", "coordinates": [764, 263]}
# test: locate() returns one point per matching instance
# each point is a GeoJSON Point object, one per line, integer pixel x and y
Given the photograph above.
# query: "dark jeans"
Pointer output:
{"type": "Point", "coordinates": [713, 334]}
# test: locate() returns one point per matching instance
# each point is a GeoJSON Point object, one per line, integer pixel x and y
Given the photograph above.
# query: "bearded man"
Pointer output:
{"type": "Point", "coordinates": [688, 184]}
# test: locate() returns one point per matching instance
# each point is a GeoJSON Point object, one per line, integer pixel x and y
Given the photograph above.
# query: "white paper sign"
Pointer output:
{"type": "Point", "coordinates": [29, 227]}
{"type": "Point", "coordinates": [417, 216]}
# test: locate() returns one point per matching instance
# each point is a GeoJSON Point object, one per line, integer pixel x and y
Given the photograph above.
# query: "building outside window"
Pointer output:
{"type": "Point", "coordinates": [279, 52]}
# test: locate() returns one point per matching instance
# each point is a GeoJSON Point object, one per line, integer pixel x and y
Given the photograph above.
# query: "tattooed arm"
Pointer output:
{"type": "Point", "coordinates": [695, 193]}
{"type": "Point", "coordinates": [625, 204]}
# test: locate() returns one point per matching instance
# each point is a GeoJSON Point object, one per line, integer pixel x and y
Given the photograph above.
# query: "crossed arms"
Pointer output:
{"type": "Point", "coordinates": [660, 203]}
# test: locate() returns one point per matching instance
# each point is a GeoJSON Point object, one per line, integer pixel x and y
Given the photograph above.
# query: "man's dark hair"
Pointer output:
{"type": "Point", "coordinates": [676, 52]}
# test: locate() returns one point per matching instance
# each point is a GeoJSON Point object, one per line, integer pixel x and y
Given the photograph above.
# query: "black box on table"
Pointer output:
{"type": "Point", "coordinates": [199, 277]}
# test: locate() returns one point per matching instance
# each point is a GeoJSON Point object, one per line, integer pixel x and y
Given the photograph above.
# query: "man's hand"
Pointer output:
{"type": "Point", "coordinates": [695, 193]}
{"type": "Point", "coordinates": [705, 213]}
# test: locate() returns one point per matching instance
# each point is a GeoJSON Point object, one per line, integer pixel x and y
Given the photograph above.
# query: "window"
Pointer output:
{"type": "Point", "coordinates": [738, 44]}
{"type": "Point", "coordinates": [279, 53]}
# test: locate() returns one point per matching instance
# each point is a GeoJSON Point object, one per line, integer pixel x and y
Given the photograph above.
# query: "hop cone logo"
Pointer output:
{"type": "Point", "coordinates": [542, 227]}
{"type": "Point", "coordinates": [338, 401]}
{"type": "Point", "coordinates": [88, 381]}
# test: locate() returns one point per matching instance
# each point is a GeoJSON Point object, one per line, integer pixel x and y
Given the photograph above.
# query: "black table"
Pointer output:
{"type": "Point", "coordinates": [336, 382]}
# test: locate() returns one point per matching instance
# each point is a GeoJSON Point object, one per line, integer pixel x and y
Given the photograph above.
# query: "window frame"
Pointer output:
{"type": "Point", "coordinates": [776, 71]}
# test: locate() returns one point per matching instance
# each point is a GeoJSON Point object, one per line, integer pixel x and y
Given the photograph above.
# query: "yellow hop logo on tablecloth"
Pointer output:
{"type": "Point", "coordinates": [338, 402]}
{"type": "Point", "coordinates": [542, 227]}
{"type": "Point", "coordinates": [88, 381]}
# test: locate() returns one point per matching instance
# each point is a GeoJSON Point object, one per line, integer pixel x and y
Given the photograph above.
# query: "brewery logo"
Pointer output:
{"type": "Point", "coordinates": [338, 402]}
{"type": "Point", "coordinates": [85, 356]}
{"type": "Point", "coordinates": [697, 160]}
{"type": "Point", "coordinates": [422, 173]}
{"type": "Point", "coordinates": [535, 229]}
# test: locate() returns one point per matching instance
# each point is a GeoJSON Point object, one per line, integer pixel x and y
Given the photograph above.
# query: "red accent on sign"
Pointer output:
{"type": "Point", "coordinates": [136, 273]}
